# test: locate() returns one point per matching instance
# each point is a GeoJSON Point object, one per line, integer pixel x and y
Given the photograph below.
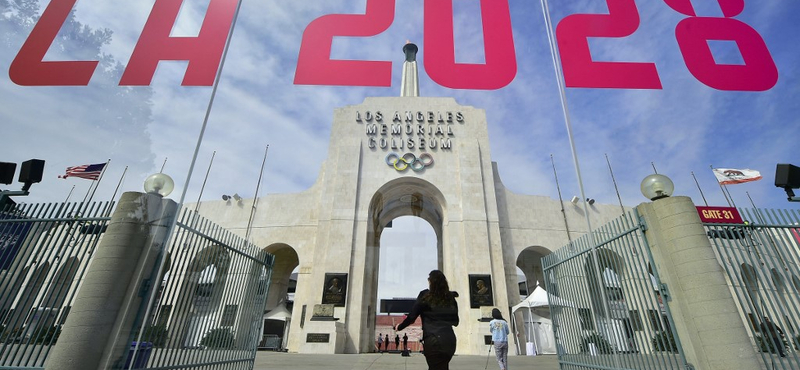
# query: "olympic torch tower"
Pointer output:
{"type": "Point", "coordinates": [410, 82]}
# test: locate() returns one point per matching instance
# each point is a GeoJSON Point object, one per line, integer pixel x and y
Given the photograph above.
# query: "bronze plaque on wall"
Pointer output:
{"type": "Point", "coordinates": [480, 291]}
{"type": "Point", "coordinates": [318, 338]}
{"type": "Point", "coordinates": [335, 289]}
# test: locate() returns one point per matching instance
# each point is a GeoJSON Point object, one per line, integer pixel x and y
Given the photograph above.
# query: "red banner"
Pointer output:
{"type": "Point", "coordinates": [720, 215]}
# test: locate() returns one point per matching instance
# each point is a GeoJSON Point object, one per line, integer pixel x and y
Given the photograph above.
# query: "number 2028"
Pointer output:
{"type": "Point", "coordinates": [757, 73]}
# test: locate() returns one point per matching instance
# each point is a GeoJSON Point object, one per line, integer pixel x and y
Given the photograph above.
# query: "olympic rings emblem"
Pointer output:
{"type": "Point", "coordinates": [402, 163]}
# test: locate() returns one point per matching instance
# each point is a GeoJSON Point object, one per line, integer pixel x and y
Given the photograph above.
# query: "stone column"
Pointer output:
{"type": "Point", "coordinates": [96, 333]}
{"type": "Point", "coordinates": [706, 318]}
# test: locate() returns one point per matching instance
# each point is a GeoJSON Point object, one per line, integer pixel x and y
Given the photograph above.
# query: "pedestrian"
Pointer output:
{"type": "Point", "coordinates": [386, 344]}
{"type": "Point", "coordinates": [397, 342]}
{"type": "Point", "coordinates": [499, 329]}
{"type": "Point", "coordinates": [405, 342]}
{"type": "Point", "coordinates": [380, 341]}
{"type": "Point", "coordinates": [439, 310]}
{"type": "Point", "coordinates": [775, 334]}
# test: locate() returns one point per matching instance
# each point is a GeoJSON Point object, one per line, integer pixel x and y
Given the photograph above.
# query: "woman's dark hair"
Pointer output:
{"type": "Point", "coordinates": [439, 294]}
{"type": "Point", "coordinates": [496, 314]}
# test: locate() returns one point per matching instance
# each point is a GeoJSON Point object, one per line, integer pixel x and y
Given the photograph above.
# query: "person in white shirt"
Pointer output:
{"type": "Point", "coordinates": [499, 329]}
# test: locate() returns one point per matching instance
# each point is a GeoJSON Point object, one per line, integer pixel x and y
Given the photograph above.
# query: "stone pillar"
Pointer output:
{"type": "Point", "coordinates": [706, 318]}
{"type": "Point", "coordinates": [96, 333]}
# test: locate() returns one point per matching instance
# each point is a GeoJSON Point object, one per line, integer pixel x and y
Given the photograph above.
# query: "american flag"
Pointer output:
{"type": "Point", "coordinates": [87, 171]}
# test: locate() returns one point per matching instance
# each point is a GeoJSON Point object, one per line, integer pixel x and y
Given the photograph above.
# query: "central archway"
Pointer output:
{"type": "Point", "coordinates": [408, 196]}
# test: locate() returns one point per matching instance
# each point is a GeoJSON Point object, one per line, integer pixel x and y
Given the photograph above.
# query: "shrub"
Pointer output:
{"type": "Point", "coordinates": [602, 344]}
{"type": "Point", "coordinates": [12, 335]}
{"type": "Point", "coordinates": [663, 341]}
{"type": "Point", "coordinates": [47, 336]}
{"type": "Point", "coordinates": [766, 344]}
{"type": "Point", "coordinates": [155, 334]}
{"type": "Point", "coordinates": [218, 338]}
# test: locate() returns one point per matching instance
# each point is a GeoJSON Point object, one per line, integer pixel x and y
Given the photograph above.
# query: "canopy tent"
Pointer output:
{"type": "Point", "coordinates": [539, 334]}
{"type": "Point", "coordinates": [280, 313]}
{"type": "Point", "coordinates": [540, 298]}
{"type": "Point", "coordinates": [539, 329]}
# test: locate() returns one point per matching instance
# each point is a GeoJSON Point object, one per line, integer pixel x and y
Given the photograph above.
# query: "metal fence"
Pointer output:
{"type": "Point", "coordinates": [607, 302]}
{"type": "Point", "coordinates": [45, 250]}
{"type": "Point", "coordinates": [761, 259]}
{"type": "Point", "coordinates": [208, 307]}
{"type": "Point", "coordinates": [205, 312]}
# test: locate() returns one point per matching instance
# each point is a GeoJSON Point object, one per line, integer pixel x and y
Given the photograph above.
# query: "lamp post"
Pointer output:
{"type": "Point", "coordinates": [159, 183]}
{"type": "Point", "coordinates": [656, 187]}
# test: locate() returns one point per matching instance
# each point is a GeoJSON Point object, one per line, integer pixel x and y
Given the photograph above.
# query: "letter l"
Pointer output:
{"type": "Point", "coordinates": [28, 68]}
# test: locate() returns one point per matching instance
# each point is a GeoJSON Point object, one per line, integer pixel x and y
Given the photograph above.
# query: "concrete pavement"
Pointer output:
{"type": "Point", "coordinates": [267, 360]}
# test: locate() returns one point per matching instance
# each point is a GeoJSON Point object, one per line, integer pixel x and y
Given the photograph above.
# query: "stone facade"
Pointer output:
{"type": "Point", "coordinates": [335, 226]}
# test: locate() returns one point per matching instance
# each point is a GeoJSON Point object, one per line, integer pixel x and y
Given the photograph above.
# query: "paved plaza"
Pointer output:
{"type": "Point", "coordinates": [392, 361]}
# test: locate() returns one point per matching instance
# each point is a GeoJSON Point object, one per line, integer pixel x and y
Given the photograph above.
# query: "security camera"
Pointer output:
{"type": "Point", "coordinates": [237, 197]}
{"type": "Point", "coordinates": [590, 201]}
{"type": "Point", "coordinates": [575, 200]}
{"type": "Point", "coordinates": [226, 197]}
{"type": "Point", "coordinates": [787, 176]}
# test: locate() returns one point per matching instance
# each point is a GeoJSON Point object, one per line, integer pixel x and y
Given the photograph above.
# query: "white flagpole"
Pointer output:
{"type": "Point", "coordinates": [725, 187]}
{"type": "Point", "coordinates": [560, 200]}
{"type": "Point", "coordinates": [762, 220]}
{"type": "Point", "coordinates": [88, 190]}
{"type": "Point", "coordinates": [114, 196]}
{"type": "Point", "coordinates": [161, 259]}
{"type": "Point", "coordinates": [720, 186]}
{"type": "Point", "coordinates": [698, 188]}
{"type": "Point", "coordinates": [100, 178]}
{"type": "Point", "coordinates": [611, 171]}
{"type": "Point", "coordinates": [758, 213]}
{"type": "Point", "coordinates": [197, 205]}
{"type": "Point", "coordinates": [119, 183]}
{"type": "Point", "coordinates": [87, 198]}
{"type": "Point", "coordinates": [568, 123]}
{"type": "Point", "coordinates": [255, 199]}
{"type": "Point", "coordinates": [70, 194]}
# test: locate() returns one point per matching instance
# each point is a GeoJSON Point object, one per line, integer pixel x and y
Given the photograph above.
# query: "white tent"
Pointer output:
{"type": "Point", "coordinates": [540, 298]}
{"type": "Point", "coordinates": [540, 337]}
{"type": "Point", "coordinates": [538, 334]}
{"type": "Point", "coordinates": [282, 314]}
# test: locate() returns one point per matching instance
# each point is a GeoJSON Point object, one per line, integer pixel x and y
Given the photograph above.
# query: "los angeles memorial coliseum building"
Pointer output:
{"type": "Point", "coordinates": [403, 156]}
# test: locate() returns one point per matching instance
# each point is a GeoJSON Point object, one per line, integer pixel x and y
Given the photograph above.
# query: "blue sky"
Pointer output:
{"type": "Point", "coordinates": [685, 126]}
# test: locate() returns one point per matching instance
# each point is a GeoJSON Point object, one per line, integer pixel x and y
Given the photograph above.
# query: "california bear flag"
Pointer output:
{"type": "Point", "coordinates": [728, 176]}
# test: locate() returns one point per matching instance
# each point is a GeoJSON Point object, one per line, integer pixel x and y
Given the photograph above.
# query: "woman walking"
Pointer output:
{"type": "Point", "coordinates": [499, 329]}
{"type": "Point", "coordinates": [439, 310]}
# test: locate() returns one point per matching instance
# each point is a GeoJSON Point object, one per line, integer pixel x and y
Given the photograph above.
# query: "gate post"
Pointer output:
{"type": "Point", "coordinates": [95, 335]}
{"type": "Point", "coordinates": [706, 317]}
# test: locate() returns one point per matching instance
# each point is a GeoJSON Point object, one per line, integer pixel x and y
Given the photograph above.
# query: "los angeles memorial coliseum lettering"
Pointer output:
{"type": "Point", "coordinates": [410, 129]}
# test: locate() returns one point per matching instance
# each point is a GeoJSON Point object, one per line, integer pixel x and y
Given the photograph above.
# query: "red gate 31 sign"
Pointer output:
{"type": "Point", "coordinates": [720, 215]}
